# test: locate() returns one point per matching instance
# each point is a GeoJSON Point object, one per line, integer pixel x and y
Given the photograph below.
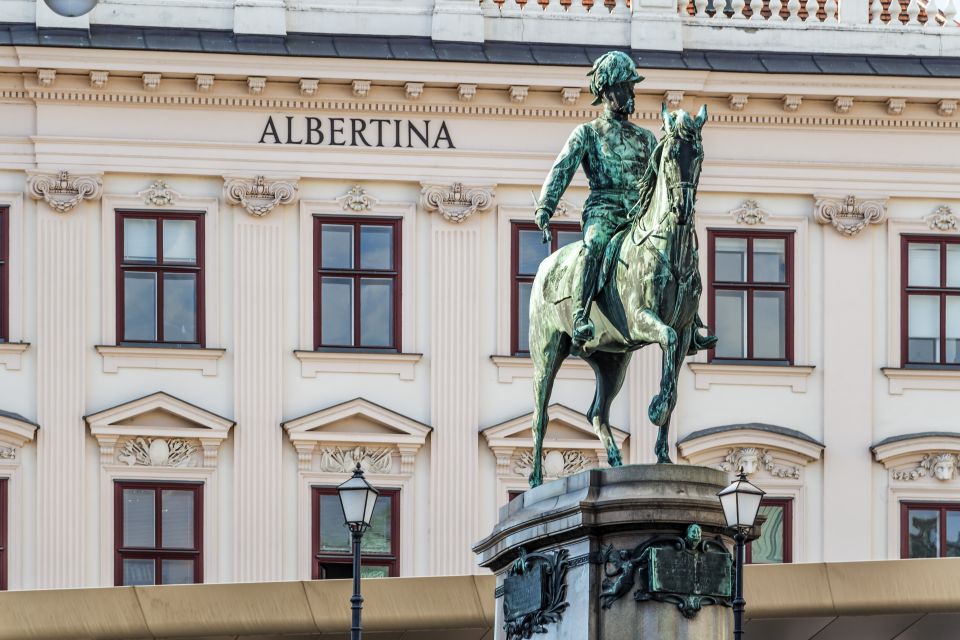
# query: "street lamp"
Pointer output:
{"type": "Point", "coordinates": [740, 502]}
{"type": "Point", "coordinates": [71, 8]}
{"type": "Point", "coordinates": [357, 498]}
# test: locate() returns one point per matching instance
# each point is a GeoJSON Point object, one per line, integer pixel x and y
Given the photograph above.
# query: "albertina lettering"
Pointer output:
{"type": "Point", "coordinates": [357, 132]}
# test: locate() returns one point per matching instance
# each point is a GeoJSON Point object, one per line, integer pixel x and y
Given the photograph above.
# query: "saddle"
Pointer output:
{"type": "Point", "coordinates": [564, 280]}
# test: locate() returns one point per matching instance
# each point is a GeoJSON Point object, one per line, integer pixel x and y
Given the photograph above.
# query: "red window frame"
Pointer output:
{"type": "Point", "coordinates": [160, 268]}
{"type": "Point", "coordinates": [4, 514]}
{"type": "Point", "coordinates": [4, 274]}
{"type": "Point", "coordinates": [157, 553]}
{"type": "Point", "coordinates": [751, 287]}
{"type": "Point", "coordinates": [516, 278]}
{"type": "Point", "coordinates": [356, 274]}
{"type": "Point", "coordinates": [942, 507]}
{"type": "Point", "coordinates": [943, 291]}
{"type": "Point", "coordinates": [318, 558]}
{"type": "Point", "coordinates": [787, 505]}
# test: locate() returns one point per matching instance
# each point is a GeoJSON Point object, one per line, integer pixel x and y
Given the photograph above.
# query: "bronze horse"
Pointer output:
{"type": "Point", "coordinates": [650, 294]}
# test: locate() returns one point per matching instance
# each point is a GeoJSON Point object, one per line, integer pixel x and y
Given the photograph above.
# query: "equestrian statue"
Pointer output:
{"type": "Point", "coordinates": [634, 280]}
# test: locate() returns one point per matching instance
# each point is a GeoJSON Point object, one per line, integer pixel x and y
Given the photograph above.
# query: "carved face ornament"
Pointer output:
{"type": "Point", "coordinates": [944, 467]}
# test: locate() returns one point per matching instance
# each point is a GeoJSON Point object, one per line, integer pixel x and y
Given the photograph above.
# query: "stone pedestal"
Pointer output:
{"type": "Point", "coordinates": [610, 554]}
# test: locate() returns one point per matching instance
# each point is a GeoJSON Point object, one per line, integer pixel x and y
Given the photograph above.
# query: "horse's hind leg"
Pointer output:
{"type": "Point", "coordinates": [547, 356]}
{"type": "Point", "coordinates": [611, 369]}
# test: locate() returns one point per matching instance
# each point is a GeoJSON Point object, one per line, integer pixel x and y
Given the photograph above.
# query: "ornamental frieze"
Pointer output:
{"type": "Point", "coordinates": [156, 452]}
{"type": "Point", "coordinates": [556, 463]}
{"type": "Point", "coordinates": [338, 460]}
{"type": "Point", "coordinates": [753, 459]}
{"type": "Point", "coordinates": [941, 466]}
{"type": "Point", "coordinates": [63, 191]}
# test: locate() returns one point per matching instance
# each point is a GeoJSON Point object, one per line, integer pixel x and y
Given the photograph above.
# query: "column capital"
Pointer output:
{"type": "Point", "coordinates": [63, 190]}
{"type": "Point", "coordinates": [260, 195]}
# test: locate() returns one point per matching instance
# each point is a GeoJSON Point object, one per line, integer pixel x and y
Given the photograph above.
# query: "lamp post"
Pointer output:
{"type": "Point", "coordinates": [740, 502]}
{"type": "Point", "coordinates": [357, 498]}
{"type": "Point", "coordinates": [71, 8]}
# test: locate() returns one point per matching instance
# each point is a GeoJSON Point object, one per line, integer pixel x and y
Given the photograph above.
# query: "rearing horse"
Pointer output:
{"type": "Point", "coordinates": [649, 294]}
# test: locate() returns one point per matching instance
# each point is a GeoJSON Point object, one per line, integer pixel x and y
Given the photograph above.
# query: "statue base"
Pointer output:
{"type": "Point", "coordinates": [610, 554]}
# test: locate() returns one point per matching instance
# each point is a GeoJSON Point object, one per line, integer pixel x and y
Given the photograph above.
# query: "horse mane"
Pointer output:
{"type": "Point", "coordinates": [648, 183]}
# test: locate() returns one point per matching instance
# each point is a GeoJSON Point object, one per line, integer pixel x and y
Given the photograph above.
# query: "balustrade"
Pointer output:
{"type": "Point", "coordinates": [883, 13]}
{"type": "Point", "coordinates": [567, 7]}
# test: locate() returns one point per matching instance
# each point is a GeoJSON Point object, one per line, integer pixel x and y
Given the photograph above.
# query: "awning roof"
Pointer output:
{"type": "Point", "coordinates": [885, 600]}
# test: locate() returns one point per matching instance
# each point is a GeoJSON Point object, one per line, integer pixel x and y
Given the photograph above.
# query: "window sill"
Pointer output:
{"type": "Point", "coordinates": [922, 379]}
{"type": "Point", "coordinates": [313, 363]}
{"type": "Point", "coordinates": [203, 360]}
{"type": "Point", "coordinates": [11, 354]}
{"type": "Point", "coordinates": [750, 375]}
{"type": "Point", "coordinates": [511, 367]}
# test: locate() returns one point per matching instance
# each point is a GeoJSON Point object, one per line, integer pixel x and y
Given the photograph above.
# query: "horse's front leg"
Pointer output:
{"type": "Point", "coordinates": [653, 329]}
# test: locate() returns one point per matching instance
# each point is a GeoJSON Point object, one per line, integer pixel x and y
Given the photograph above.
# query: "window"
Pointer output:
{"type": "Point", "coordinates": [332, 550]}
{"type": "Point", "coordinates": [158, 533]}
{"type": "Point", "coordinates": [930, 308]}
{"type": "Point", "coordinates": [775, 544]}
{"type": "Point", "coordinates": [3, 534]}
{"type": "Point", "coordinates": [751, 296]}
{"type": "Point", "coordinates": [4, 273]}
{"type": "Point", "coordinates": [357, 288]}
{"type": "Point", "coordinates": [527, 254]}
{"type": "Point", "coordinates": [929, 530]}
{"type": "Point", "coordinates": [160, 279]}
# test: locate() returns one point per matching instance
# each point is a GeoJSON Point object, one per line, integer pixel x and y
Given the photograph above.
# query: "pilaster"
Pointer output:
{"type": "Point", "coordinates": [61, 328]}
{"type": "Point", "coordinates": [258, 387]}
{"type": "Point", "coordinates": [848, 370]}
{"type": "Point", "coordinates": [454, 388]}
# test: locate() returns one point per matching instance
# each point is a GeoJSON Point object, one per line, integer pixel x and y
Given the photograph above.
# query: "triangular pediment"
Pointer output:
{"type": "Point", "coordinates": [567, 427]}
{"type": "Point", "coordinates": [357, 421]}
{"type": "Point", "coordinates": [15, 429]}
{"type": "Point", "coordinates": [159, 414]}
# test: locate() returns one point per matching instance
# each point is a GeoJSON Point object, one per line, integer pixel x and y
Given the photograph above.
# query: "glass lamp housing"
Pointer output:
{"type": "Point", "coordinates": [357, 497]}
{"type": "Point", "coordinates": [71, 8]}
{"type": "Point", "coordinates": [741, 503]}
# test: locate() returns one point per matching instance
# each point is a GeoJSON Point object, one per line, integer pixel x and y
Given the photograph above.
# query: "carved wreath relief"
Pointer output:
{"type": "Point", "coordinates": [556, 463]}
{"type": "Point", "coordinates": [337, 460]}
{"type": "Point", "coordinates": [159, 194]}
{"type": "Point", "coordinates": [157, 452]}
{"type": "Point", "coordinates": [534, 592]}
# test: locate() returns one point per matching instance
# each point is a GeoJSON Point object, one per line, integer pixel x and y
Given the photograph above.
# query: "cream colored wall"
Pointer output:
{"type": "Point", "coordinates": [781, 159]}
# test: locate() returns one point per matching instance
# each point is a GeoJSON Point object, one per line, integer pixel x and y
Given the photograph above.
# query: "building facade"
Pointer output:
{"type": "Point", "coordinates": [238, 255]}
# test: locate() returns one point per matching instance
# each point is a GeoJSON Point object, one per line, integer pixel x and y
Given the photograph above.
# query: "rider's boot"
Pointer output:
{"type": "Point", "coordinates": [583, 329]}
{"type": "Point", "coordinates": [701, 342]}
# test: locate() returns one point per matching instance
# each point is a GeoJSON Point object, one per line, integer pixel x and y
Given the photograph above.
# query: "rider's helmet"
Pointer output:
{"type": "Point", "coordinates": [609, 69]}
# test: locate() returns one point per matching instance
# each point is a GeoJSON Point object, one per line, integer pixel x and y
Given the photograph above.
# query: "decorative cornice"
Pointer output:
{"type": "Point", "coordinates": [946, 108]}
{"type": "Point", "coordinates": [98, 79]}
{"type": "Point", "coordinates": [570, 95]}
{"type": "Point", "coordinates": [46, 77]}
{"type": "Point", "coordinates": [673, 99]}
{"type": "Point", "coordinates": [256, 85]}
{"type": "Point", "coordinates": [159, 194]}
{"type": "Point", "coordinates": [749, 213]}
{"type": "Point", "coordinates": [63, 191]}
{"type": "Point", "coordinates": [738, 101]}
{"type": "Point", "coordinates": [842, 104]}
{"type": "Point", "coordinates": [413, 90]}
{"type": "Point", "coordinates": [456, 202]}
{"type": "Point", "coordinates": [151, 81]}
{"type": "Point", "coordinates": [896, 106]}
{"type": "Point", "coordinates": [357, 199]}
{"type": "Point", "coordinates": [518, 93]}
{"type": "Point", "coordinates": [943, 219]}
{"type": "Point", "coordinates": [259, 196]}
{"type": "Point", "coordinates": [466, 92]}
{"type": "Point", "coordinates": [204, 82]}
{"type": "Point", "coordinates": [309, 86]}
{"type": "Point", "coordinates": [361, 88]}
{"type": "Point", "coordinates": [849, 215]}
{"type": "Point", "coordinates": [791, 103]}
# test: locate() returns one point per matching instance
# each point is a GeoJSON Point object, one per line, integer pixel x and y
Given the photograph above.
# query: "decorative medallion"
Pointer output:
{"type": "Point", "coordinates": [688, 572]}
{"type": "Point", "coordinates": [534, 593]}
{"type": "Point", "coordinates": [457, 202]}
{"type": "Point", "coordinates": [752, 459]}
{"type": "Point", "coordinates": [749, 213]}
{"type": "Point", "coordinates": [156, 452]}
{"type": "Point", "coordinates": [159, 194]}
{"type": "Point", "coordinates": [259, 196]}
{"type": "Point", "coordinates": [942, 219]}
{"type": "Point", "coordinates": [942, 466]}
{"type": "Point", "coordinates": [849, 215]}
{"type": "Point", "coordinates": [556, 463]}
{"type": "Point", "coordinates": [64, 191]}
{"type": "Point", "coordinates": [357, 199]}
{"type": "Point", "coordinates": [337, 460]}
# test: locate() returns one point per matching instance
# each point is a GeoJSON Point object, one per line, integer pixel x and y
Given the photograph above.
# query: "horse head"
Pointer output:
{"type": "Point", "coordinates": [681, 158]}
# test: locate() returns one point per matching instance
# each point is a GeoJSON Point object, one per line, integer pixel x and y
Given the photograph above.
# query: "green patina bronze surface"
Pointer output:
{"type": "Point", "coordinates": [634, 280]}
{"type": "Point", "coordinates": [688, 572]}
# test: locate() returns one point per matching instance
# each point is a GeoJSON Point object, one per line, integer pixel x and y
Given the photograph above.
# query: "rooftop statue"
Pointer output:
{"type": "Point", "coordinates": [634, 280]}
